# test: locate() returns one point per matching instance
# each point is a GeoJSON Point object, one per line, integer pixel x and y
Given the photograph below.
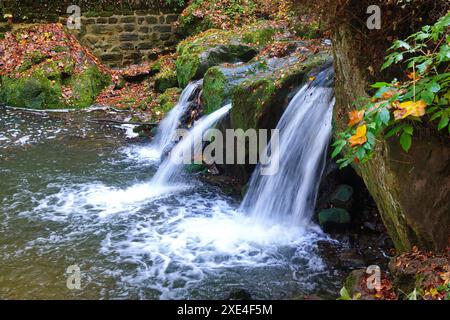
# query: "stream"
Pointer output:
{"type": "Point", "coordinates": [74, 192]}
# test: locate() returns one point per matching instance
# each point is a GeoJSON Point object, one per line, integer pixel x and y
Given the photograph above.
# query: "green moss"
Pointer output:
{"type": "Point", "coordinates": [259, 36]}
{"type": "Point", "coordinates": [168, 99]}
{"type": "Point", "coordinates": [51, 70]}
{"type": "Point", "coordinates": [249, 100]}
{"type": "Point", "coordinates": [26, 64]}
{"type": "Point", "coordinates": [87, 85]}
{"type": "Point", "coordinates": [187, 67]}
{"type": "Point", "coordinates": [166, 79]}
{"type": "Point", "coordinates": [308, 31]}
{"type": "Point", "coordinates": [34, 92]}
{"type": "Point", "coordinates": [60, 49]}
{"type": "Point", "coordinates": [214, 86]}
{"type": "Point", "coordinates": [38, 57]}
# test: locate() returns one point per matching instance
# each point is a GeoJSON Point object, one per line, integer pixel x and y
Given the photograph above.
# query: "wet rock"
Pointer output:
{"type": "Point", "coordinates": [194, 65]}
{"type": "Point", "coordinates": [334, 218]}
{"type": "Point", "coordinates": [211, 48]}
{"type": "Point", "coordinates": [342, 197]}
{"type": "Point", "coordinates": [351, 259]}
{"type": "Point", "coordinates": [354, 284]}
{"type": "Point", "coordinates": [239, 294]}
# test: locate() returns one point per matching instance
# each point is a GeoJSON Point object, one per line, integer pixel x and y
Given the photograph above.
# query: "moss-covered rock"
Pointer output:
{"type": "Point", "coordinates": [87, 85]}
{"type": "Point", "coordinates": [259, 36]}
{"type": "Point", "coordinates": [165, 80]}
{"type": "Point", "coordinates": [168, 99]}
{"type": "Point", "coordinates": [34, 92]}
{"type": "Point", "coordinates": [258, 101]}
{"type": "Point", "coordinates": [249, 103]}
{"type": "Point", "coordinates": [211, 48]}
{"type": "Point", "coordinates": [220, 81]}
{"type": "Point", "coordinates": [51, 71]}
{"type": "Point", "coordinates": [334, 216]}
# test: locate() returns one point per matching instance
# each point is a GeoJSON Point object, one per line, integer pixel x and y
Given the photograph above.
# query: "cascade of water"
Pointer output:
{"type": "Point", "coordinates": [171, 168]}
{"type": "Point", "coordinates": [168, 126]}
{"type": "Point", "coordinates": [289, 195]}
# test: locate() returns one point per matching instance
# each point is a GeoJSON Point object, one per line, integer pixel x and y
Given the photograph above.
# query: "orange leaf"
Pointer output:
{"type": "Point", "coordinates": [388, 94]}
{"type": "Point", "coordinates": [360, 136]}
{"type": "Point", "coordinates": [355, 117]}
{"type": "Point", "coordinates": [413, 76]}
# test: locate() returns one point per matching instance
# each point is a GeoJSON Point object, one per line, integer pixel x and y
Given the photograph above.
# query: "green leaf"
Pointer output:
{"type": "Point", "coordinates": [434, 87]}
{"type": "Point", "coordinates": [428, 96]}
{"type": "Point", "coordinates": [344, 294]}
{"type": "Point", "coordinates": [338, 148]}
{"type": "Point", "coordinates": [380, 85]}
{"type": "Point", "coordinates": [389, 61]}
{"type": "Point", "coordinates": [423, 66]}
{"type": "Point", "coordinates": [385, 116]}
{"type": "Point", "coordinates": [370, 138]}
{"type": "Point", "coordinates": [436, 115]}
{"type": "Point", "coordinates": [405, 141]}
{"type": "Point", "coordinates": [408, 129]}
{"type": "Point", "coordinates": [394, 131]}
{"type": "Point", "coordinates": [444, 53]}
{"type": "Point", "coordinates": [444, 121]}
{"type": "Point", "coordinates": [361, 153]}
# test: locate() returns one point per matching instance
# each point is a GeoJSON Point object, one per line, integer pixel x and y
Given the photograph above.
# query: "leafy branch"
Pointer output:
{"type": "Point", "coordinates": [396, 106]}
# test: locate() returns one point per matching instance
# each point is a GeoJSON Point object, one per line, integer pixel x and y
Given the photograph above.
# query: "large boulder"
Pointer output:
{"type": "Point", "coordinates": [213, 47]}
{"type": "Point", "coordinates": [412, 190]}
{"type": "Point", "coordinates": [43, 67]}
{"type": "Point", "coordinates": [259, 91]}
{"type": "Point", "coordinates": [258, 102]}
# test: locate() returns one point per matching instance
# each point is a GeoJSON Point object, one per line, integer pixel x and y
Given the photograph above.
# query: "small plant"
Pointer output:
{"type": "Point", "coordinates": [344, 295]}
{"type": "Point", "coordinates": [396, 106]}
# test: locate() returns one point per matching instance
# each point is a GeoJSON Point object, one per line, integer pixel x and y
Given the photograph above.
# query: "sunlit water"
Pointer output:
{"type": "Point", "coordinates": [77, 193]}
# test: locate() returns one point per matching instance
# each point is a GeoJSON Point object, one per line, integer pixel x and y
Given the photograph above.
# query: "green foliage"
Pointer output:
{"type": "Point", "coordinates": [396, 106]}
{"type": "Point", "coordinates": [345, 295]}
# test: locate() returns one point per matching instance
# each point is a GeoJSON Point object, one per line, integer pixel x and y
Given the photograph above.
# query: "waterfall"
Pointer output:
{"type": "Point", "coordinates": [289, 196]}
{"type": "Point", "coordinates": [171, 168]}
{"type": "Point", "coordinates": [167, 127]}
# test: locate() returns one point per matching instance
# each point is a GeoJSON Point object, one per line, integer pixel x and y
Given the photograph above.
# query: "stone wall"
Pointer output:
{"type": "Point", "coordinates": [118, 32]}
{"type": "Point", "coordinates": [128, 39]}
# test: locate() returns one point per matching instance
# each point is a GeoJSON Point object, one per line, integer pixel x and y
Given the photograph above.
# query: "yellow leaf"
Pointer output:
{"type": "Point", "coordinates": [360, 136]}
{"type": "Point", "coordinates": [355, 117]}
{"type": "Point", "coordinates": [446, 277]}
{"type": "Point", "coordinates": [432, 292]}
{"type": "Point", "coordinates": [410, 108]}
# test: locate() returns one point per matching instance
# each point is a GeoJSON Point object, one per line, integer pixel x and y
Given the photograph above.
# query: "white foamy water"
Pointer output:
{"type": "Point", "coordinates": [170, 169]}
{"type": "Point", "coordinates": [137, 237]}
